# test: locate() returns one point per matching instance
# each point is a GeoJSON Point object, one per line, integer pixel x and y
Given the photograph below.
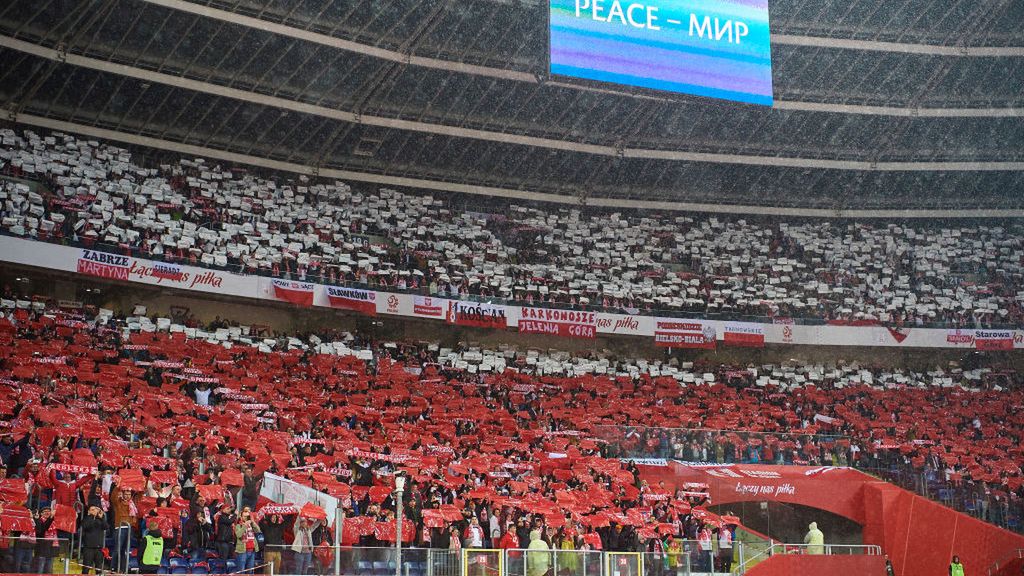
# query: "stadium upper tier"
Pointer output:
{"type": "Point", "coordinates": [878, 106]}
{"type": "Point", "coordinates": [189, 210]}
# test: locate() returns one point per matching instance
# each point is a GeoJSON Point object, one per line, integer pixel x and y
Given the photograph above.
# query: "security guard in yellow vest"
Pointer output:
{"type": "Point", "coordinates": [955, 567]}
{"type": "Point", "coordinates": [151, 552]}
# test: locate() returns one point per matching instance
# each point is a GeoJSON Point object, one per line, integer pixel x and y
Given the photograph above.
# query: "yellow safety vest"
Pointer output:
{"type": "Point", "coordinates": [956, 569]}
{"type": "Point", "coordinates": [154, 551]}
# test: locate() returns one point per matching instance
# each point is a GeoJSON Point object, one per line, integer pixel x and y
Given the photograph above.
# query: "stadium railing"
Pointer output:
{"type": "Point", "coordinates": [694, 313]}
{"type": "Point", "coordinates": [1017, 554]}
{"type": "Point", "coordinates": [777, 548]}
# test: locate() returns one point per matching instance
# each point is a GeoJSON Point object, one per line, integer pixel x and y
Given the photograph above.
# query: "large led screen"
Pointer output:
{"type": "Point", "coordinates": [716, 48]}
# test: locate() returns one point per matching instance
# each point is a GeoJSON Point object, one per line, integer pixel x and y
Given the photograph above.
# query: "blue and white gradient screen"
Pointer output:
{"type": "Point", "coordinates": [715, 48]}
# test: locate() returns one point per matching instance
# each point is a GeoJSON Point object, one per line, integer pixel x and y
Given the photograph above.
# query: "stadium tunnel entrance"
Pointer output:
{"type": "Point", "coordinates": [787, 522]}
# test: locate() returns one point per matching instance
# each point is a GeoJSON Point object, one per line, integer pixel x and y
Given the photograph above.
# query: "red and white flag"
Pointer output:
{"type": "Point", "coordinates": [743, 334]}
{"type": "Point", "coordinates": [428, 306]}
{"type": "Point", "coordinates": [300, 293]}
{"type": "Point", "coordinates": [364, 301]}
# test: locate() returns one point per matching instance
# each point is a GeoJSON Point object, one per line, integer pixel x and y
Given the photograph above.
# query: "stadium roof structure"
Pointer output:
{"type": "Point", "coordinates": [879, 105]}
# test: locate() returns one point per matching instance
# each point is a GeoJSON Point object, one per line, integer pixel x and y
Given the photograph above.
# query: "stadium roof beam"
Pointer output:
{"type": "Point", "coordinates": [408, 57]}
{"type": "Point", "coordinates": [217, 62]}
{"type": "Point", "coordinates": [534, 141]}
{"type": "Point", "coordinates": [787, 39]}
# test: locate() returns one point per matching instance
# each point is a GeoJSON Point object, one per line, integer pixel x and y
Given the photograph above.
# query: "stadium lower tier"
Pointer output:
{"type": "Point", "coordinates": [109, 426]}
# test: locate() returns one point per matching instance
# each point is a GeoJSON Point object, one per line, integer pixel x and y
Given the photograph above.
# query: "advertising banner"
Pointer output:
{"type": "Point", "coordinates": [364, 301]}
{"type": "Point", "coordinates": [477, 314]}
{"type": "Point", "coordinates": [678, 333]}
{"type": "Point", "coordinates": [564, 323]}
{"type": "Point", "coordinates": [300, 293]}
{"type": "Point", "coordinates": [745, 334]}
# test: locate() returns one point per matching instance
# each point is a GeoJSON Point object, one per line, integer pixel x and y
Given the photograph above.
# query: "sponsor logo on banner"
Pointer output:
{"type": "Point", "coordinates": [393, 302]}
{"type": "Point", "coordinates": [744, 334]}
{"type": "Point", "coordinates": [300, 293]}
{"type": "Point", "coordinates": [724, 473]}
{"type": "Point", "coordinates": [960, 337]}
{"type": "Point", "coordinates": [564, 323]}
{"type": "Point", "coordinates": [821, 470]}
{"type": "Point", "coordinates": [167, 271]}
{"type": "Point", "coordinates": [899, 334]}
{"type": "Point", "coordinates": [428, 307]}
{"type": "Point", "coordinates": [647, 461]}
{"type": "Point", "coordinates": [477, 314]}
{"type": "Point", "coordinates": [786, 489]}
{"type": "Point", "coordinates": [364, 301]}
{"type": "Point", "coordinates": [118, 267]}
{"type": "Point", "coordinates": [618, 324]}
{"type": "Point", "coordinates": [993, 339]}
{"type": "Point", "coordinates": [104, 265]}
{"type": "Point", "coordinates": [670, 333]}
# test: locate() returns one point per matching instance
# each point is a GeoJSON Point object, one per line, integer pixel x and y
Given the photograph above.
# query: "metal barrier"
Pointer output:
{"type": "Point", "coordinates": [1015, 555]}
{"type": "Point", "coordinates": [624, 563]}
{"type": "Point", "coordinates": [34, 555]}
{"type": "Point", "coordinates": [441, 562]}
{"type": "Point", "coordinates": [483, 562]}
{"type": "Point", "coordinates": [559, 562]}
{"type": "Point", "coordinates": [777, 548]}
{"type": "Point", "coordinates": [354, 560]}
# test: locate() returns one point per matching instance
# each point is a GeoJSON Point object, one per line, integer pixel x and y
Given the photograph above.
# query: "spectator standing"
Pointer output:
{"type": "Point", "coordinates": [94, 535]}
{"type": "Point", "coordinates": [224, 532]}
{"type": "Point", "coordinates": [474, 534]}
{"type": "Point", "coordinates": [724, 549]}
{"type": "Point", "coordinates": [47, 543]}
{"type": "Point", "coordinates": [537, 561]}
{"type": "Point", "coordinates": [151, 550]}
{"type": "Point", "coordinates": [814, 539]}
{"type": "Point", "coordinates": [955, 567]}
{"type": "Point", "coordinates": [198, 531]}
{"type": "Point", "coordinates": [251, 487]}
{"type": "Point", "coordinates": [246, 545]}
{"type": "Point", "coordinates": [705, 544]}
{"type": "Point", "coordinates": [126, 515]}
{"type": "Point", "coordinates": [272, 528]}
{"type": "Point", "coordinates": [674, 551]}
{"type": "Point", "coordinates": [302, 545]}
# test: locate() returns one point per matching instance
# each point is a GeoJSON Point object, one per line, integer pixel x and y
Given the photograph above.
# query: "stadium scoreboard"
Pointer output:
{"type": "Point", "coordinates": [715, 48]}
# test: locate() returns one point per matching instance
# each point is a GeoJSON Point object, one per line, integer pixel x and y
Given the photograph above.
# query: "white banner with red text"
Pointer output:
{"type": "Point", "coordinates": [667, 332]}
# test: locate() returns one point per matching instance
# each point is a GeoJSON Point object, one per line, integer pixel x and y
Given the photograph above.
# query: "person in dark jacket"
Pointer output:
{"type": "Point", "coordinates": [251, 489]}
{"type": "Point", "coordinates": [94, 535]}
{"type": "Point", "coordinates": [198, 532]}
{"type": "Point", "coordinates": [273, 540]}
{"type": "Point", "coordinates": [47, 544]}
{"type": "Point", "coordinates": [94, 497]}
{"type": "Point", "coordinates": [224, 533]}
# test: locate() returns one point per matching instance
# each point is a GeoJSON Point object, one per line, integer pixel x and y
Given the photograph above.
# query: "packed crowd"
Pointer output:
{"type": "Point", "coordinates": [111, 422]}
{"type": "Point", "coordinates": [197, 212]}
{"type": "Point", "coordinates": [107, 428]}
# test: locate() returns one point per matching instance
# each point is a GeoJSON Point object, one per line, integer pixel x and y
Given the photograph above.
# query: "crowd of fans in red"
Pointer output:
{"type": "Point", "coordinates": [109, 428]}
